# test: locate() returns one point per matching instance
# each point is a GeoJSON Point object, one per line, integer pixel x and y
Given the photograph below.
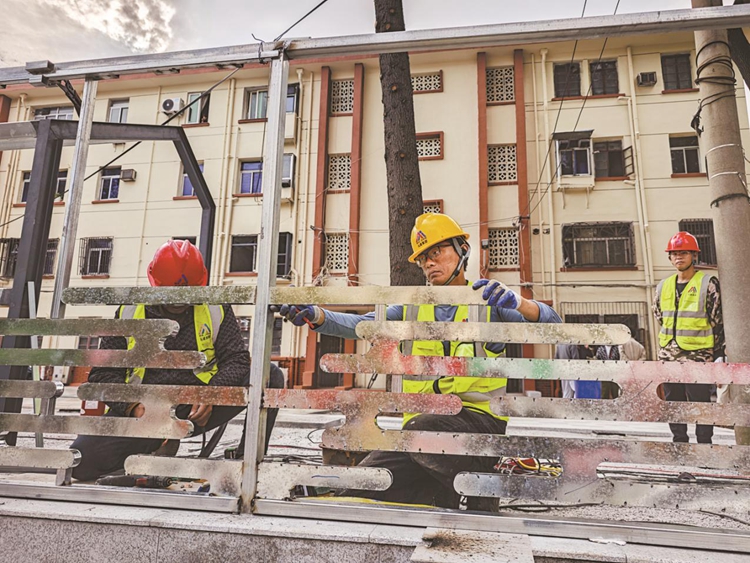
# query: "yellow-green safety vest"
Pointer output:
{"type": "Point", "coordinates": [205, 318]}
{"type": "Point", "coordinates": [475, 392]}
{"type": "Point", "coordinates": [693, 330]}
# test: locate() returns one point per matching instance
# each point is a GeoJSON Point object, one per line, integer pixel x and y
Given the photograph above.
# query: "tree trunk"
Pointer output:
{"type": "Point", "coordinates": [740, 49]}
{"type": "Point", "coordinates": [401, 162]}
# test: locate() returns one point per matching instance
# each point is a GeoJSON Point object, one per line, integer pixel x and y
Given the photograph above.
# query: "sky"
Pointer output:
{"type": "Point", "coordinates": [67, 30]}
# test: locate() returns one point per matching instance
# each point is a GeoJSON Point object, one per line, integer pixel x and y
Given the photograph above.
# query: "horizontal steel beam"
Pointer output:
{"type": "Point", "coordinates": [413, 41]}
{"type": "Point", "coordinates": [649, 533]}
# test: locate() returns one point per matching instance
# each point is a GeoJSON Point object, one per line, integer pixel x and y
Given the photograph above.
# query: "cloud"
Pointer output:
{"type": "Point", "coordinates": [142, 25]}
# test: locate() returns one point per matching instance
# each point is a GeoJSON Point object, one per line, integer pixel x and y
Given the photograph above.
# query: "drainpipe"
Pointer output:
{"type": "Point", "coordinates": [550, 204]}
{"type": "Point", "coordinates": [538, 167]}
{"type": "Point", "coordinates": [294, 273]}
{"type": "Point", "coordinates": [15, 156]}
{"type": "Point", "coordinates": [638, 164]}
{"type": "Point", "coordinates": [224, 184]}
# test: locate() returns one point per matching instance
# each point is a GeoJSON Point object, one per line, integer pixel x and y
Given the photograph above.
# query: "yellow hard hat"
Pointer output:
{"type": "Point", "coordinates": [431, 229]}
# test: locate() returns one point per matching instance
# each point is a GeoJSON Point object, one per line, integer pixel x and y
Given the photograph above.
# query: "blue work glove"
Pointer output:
{"type": "Point", "coordinates": [298, 315]}
{"type": "Point", "coordinates": [497, 293]}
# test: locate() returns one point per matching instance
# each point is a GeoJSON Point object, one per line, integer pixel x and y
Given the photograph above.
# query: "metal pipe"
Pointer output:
{"type": "Point", "coordinates": [538, 167]}
{"type": "Point", "coordinates": [224, 184]}
{"type": "Point", "coordinates": [720, 17]}
{"type": "Point", "coordinates": [73, 209]}
{"type": "Point", "coordinates": [268, 243]}
{"type": "Point", "coordinates": [550, 203]}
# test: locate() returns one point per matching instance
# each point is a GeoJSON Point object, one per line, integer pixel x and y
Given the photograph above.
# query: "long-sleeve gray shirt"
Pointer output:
{"type": "Point", "coordinates": [343, 325]}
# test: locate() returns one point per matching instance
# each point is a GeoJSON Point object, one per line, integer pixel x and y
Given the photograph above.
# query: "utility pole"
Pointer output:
{"type": "Point", "coordinates": [730, 203]}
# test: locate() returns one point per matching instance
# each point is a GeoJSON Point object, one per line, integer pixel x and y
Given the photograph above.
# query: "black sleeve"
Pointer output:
{"type": "Point", "coordinates": [231, 355]}
{"type": "Point", "coordinates": [109, 374]}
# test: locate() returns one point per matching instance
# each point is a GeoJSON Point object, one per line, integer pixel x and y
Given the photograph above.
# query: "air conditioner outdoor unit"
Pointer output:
{"type": "Point", "coordinates": [172, 105]}
{"type": "Point", "coordinates": [646, 79]}
{"type": "Point", "coordinates": [127, 175]}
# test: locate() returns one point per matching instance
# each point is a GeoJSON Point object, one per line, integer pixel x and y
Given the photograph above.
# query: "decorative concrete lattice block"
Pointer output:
{"type": "Point", "coordinates": [432, 82]}
{"type": "Point", "coordinates": [503, 248]}
{"type": "Point", "coordinates": [342, 96]}
{"type": "Point", "coordinates": [339, 171]}
{"type": "Point", "coordinates": [337, 252]}
{"type": "Point", "coordinates": [500, 84]}
{"type": "Point", "coordinates": [501, 163]}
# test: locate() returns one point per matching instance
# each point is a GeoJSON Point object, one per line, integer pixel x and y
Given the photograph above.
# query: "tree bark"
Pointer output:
{"type": "Point", "coordinates": [740, 49]}
{"type": "Point", "coordinates": [401, 161]}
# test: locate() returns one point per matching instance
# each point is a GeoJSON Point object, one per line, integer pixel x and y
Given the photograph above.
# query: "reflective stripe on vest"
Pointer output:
{"type": "Point", "coordinates": [693, 329]}
{"type": "Point", "coordinates": [205, 318]}
{"type": "Point", "coordinates": [475, 392]}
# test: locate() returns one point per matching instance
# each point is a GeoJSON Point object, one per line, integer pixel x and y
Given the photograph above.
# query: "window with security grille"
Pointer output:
{"type": "Point", "coordinates": [574, 157]}
{"type": "Point", "coordinates": [703, 230]}
{"type": "Point", "coordinates": [567, 79]}
{"type": "Point", "coordinates": [501, 85]}
{"type": "Point", "coordinates": [342, 96]}
{"type": "Point", "coordinates": [187, 186]}
{"type": "Point", "coordinates": [676, 72]}
{"type": "Point", "coordinates": [429, 147]}
{"type": "Point", "coordinates": [96, 256]}
{"type": "Point", "coordinates": [62, 179]}
{"type": "Point", "coordinates": [685, 155]}
{"type": "Point", "coordinates": [49, 258]}
{"type": "Point", "coordinates": [608, 159]}
{"type": "Point", "coordinates": [501, 163]}
{"type": "Point", "coordinates": [337, 252]}
{"type": "Point", "coordinates": [598, 245]}
{"type": "Point", "coordinates": [604, 79]}
{"type": "Point", "coordinates": [430, 82]}
{"type": "Point", "coordinates": [432, 206]}
{"type": "Point", "coordinates": [118, 111]}
{"type": "Point", "coordinates": [251, 177]}
{"type": "Point", "coordinates": [503, 248]}
{"type": "Point", "coordinates": [278, 325]}
{"type": "Point", "coordinates": [109, 188]}
{"type": "Point", "coordinates": [9, 257]}
{"type": "Point", "coordinates": [53, 113]}
{"type": "Point", "coordinates": [339, 172]}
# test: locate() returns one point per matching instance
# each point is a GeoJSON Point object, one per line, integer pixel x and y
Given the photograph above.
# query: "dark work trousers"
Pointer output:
{"type": "Point", "coordinates": [696, 393]}
{"type": "Point", "coordinates": [428, 478]}
{"type": "Point", "coordinates": [101, 455]}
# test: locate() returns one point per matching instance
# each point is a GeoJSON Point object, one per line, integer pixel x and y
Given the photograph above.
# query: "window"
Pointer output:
{"type": "Point", "coordinates": [289, 164]}
{"type": "Point", "coordinates": [244, 324]}
{"type": "Point", "coordinates": [95, 257]}
{"type": "Point", "coordinates": [339, 172]}
{"type": "Point", "coordinates": [685, 156]}
{"type": "Point", "coordinates": [703, 230]}
{"type": "Point", "coordinates": [503, 248]}
{"type": "Point", "coordinates": [567, 79]}
{"type": "Point", "coordinates": [187, 185]}
{"type": "Point", "coordinates": [574, 153]}
{"type": "Point", "coordinates": [62, 178]}
{"type": "Point", "coordinates": [604, 78]}
{"type": "Point", "coordinates": [337, 252]}
{"type": "Point", "coordinates": [284, 261]}
{"type": "Point", "coordinates": [191, 240]}
{"type": "Point", "coordinates": [292, 98]}
{"type": "Point", "coordinates": [243, 254]}
{"type": "Point", "coordinates": [278, 324]}
{"type": "Point", "coordinates": [251, 177]}
{"type": "Point", "coordinates": [110, 185]}
{"type": "Point", "coordinates": [500, 85]}
{"type": "Point", "coordinates": [676, 72]}
{"type": "Point", "coordinates": [49, 259]}
{"type": "Point", "coordinates": [342, 96]}
{"type": "Point", "coordinates": [9, 256]}
{"type": "Point", "coordinates": [501, 164]}
{"type": "Point", "coordinates": [430, 82]}
{"type": "Point", "coordinates": [257, 104]}
{"type": "Point", "coordinates": [608, 159]}
{"type": "Point", "coordinates": [598, 244]}
{"type": "Point", "coordinates": [88, 342]}
{"type": "Point", "coordinates": [118, 111]}
{"type": "Point", "coordinates": [430, 146]}
{"type": "Point", "coordinates": [198, 112]}
{"type": "Point", "coordinates": [53, 113]}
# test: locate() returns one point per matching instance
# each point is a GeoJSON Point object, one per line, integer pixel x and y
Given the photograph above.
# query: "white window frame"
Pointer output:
{"type": "Point", "coordinates": [257, 104]}
{"type": "Point", "coordinates": [106, 184]}
{"type": "Point", "coordinates": [193, 114]}
{"type": "Point", "coordinates": [588, 150]}
{"type": "Point", "coordinates": [118, 111]}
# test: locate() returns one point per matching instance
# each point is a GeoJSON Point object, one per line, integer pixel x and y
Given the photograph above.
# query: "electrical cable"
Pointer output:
{"type": "Point", "coordinates": [287, 30]}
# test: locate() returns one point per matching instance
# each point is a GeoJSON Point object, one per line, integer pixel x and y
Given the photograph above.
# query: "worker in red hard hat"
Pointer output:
{"type": "Point", "coordinates": [687, 306]}
{"type": "Point", "coordinates": [210, 329]}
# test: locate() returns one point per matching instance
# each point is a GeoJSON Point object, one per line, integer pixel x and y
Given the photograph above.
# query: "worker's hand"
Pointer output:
{"type": "Point", "coordinates": [200, 414]}
{"type": "Point", "coordinates": [300, 314]}
{"type": "Point", "coordinates": [138, 411]}
{"type": "Point", "coordinates": [497, 293]}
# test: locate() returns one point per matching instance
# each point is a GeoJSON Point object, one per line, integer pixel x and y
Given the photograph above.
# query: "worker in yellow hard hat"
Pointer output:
{"type": "Point", "coordinates": [441, 249]}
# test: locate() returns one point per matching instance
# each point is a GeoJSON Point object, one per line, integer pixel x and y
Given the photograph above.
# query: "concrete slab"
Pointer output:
{"type": "Point", "coordinates": [456, 546]}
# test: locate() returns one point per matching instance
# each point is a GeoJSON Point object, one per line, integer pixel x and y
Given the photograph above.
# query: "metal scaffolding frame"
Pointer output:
{"type": "Point", "coordinates": [49, 136]}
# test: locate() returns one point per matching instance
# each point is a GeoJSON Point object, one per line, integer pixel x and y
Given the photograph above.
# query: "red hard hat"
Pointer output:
{"type": "Point", "coordinates": [683, 241]}
{"type": "Point", "coordinates": [177, 262]}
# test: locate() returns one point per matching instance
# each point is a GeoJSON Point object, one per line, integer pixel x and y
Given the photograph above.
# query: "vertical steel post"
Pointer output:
{"type": "Point", "coordinates": [255, 427]}
{"type": "Point", "coordinates": [722, 147]}
{"type": "Point", "coordinates": [75, 188]}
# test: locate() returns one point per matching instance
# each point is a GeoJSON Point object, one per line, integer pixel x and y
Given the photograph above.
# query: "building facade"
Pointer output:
{"type": "Point", "coordinates": [570, 165]}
